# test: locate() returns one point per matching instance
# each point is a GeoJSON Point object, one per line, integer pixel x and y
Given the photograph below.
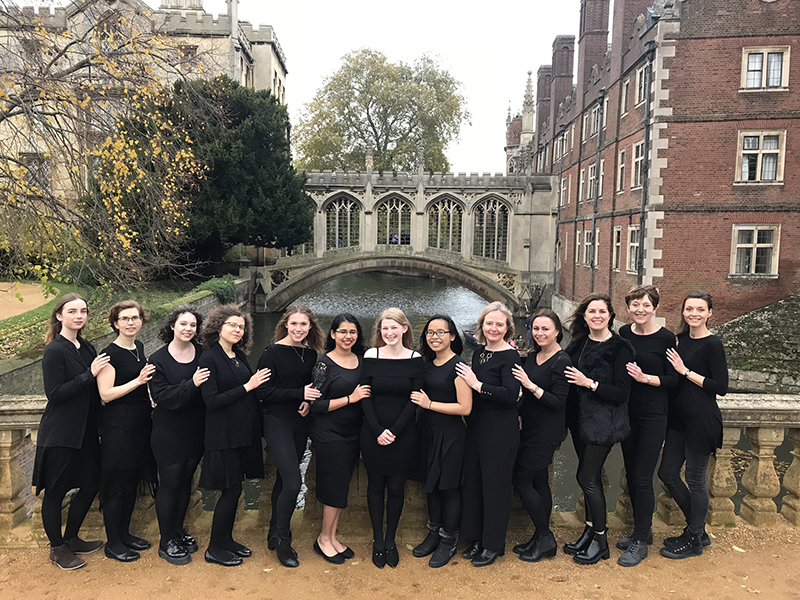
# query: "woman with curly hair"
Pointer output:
{"type": "Point", "coordinates": [233, 425]}
{"type": "Point", "coordinates": [126, 428]}
{"type": "Point", "coordinates": [285, 404]}
{"type": "Point", "coordinates": [178, 427]}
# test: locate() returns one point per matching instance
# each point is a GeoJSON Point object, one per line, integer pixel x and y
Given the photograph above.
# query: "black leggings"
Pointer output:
{"type": "Point", "coordinates": [444, 507]}
{"type": "Point", "coordinates": [394, 487]}
{"type": "Point", "coordinates": [533, 487]}
{"type": "Point", "coordinates": [78, 509]}
{"type": "Point", "coordinates": [172, 500]}
{"type": "Point", "coordinates": [286, 442]}
{"type": "Point", "coordinates": [119, 500]}
{"type": "Point", "coordinates": [224, 517]}
{"type": "Point", "coordinates": [640, 451]}
{"type": "Point", "coordinates": [692, 500]}
{"type": "Point", "coordinates": [590, 478]}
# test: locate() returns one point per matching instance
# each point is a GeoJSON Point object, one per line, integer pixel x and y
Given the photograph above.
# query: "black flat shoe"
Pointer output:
{"type": "Point", "coordinates": [137, 543]}
{"type": "Point", "coordinates": [347, 553]}
{"type": "Point", "coordinates": [520, 548]}
{"type": "Point", "coordinates": [286, 554]}
{"type": "Point", "coordinates": [229, 559]}
{"type": "Point", "coordinates": [473, 551]}
{"type": "Point", "coordinates": [378, 557]}
{"type": "Point", "coordinates": [392, 557]}
{"type": "Point", "coordinates": [240, 551]}
{"type": "Point", "coordinates": [486, 558]}
{"type": "Point", "coordinates": [174, 553]}
{"type": "Point", "coordinates": [187, 542]}
{"type": "Point", "coordinates": [127, 556]}
{"type": "Point", "coordinates": [336, 559]}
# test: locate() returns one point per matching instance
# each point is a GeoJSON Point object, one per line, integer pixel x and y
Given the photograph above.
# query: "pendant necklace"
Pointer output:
{"type": "Point", "coordinates": [301, 354]}
{"type": "Point", "coordinates": [134, 352]}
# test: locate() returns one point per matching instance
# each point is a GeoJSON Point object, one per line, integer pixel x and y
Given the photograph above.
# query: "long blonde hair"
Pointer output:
{"type": "Point", "coordinates": [397, 315]}
{"type": "Point", "coordinates": [491, 307]}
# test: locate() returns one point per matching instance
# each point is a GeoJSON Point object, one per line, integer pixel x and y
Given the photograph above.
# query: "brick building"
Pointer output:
{"type": "Point", "coordinates": [700, 186]}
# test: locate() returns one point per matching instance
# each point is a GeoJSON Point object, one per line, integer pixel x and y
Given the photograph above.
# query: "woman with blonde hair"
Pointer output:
{"type": "Point", "coordinates": [492, 436]}
{"type": "Point", "coordinates": [393, 370]}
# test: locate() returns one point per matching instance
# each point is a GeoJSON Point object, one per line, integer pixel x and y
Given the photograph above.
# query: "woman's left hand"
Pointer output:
{"type": "Point", "coordinates": [675, 360]}
{"type": "Point", "coordinates": [575, 377]}
{"type": "Point", "coordinates": [466, 373]}
{"type": "Point", "coordinates": [303, 409]}
{"type": "Point", "coordinates": [386, 438]}
{"type": "Point", "coordinates": [420, 398]}
{"type": "Point", "coordinates": [635, 371]}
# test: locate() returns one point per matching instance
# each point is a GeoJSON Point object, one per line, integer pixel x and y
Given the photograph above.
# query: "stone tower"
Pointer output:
{"type": "Point", "coordinates": [526, 135]}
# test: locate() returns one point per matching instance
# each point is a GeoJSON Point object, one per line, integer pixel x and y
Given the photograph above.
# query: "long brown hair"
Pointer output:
{"type": "Point", "coordinates": [397, 315]}
{"type": "Point", "coordinates": [53, 324]}
{"type": "Point", "coordinates": [578, 327]}
{"type": "Point", "coordinates": [315, 338]}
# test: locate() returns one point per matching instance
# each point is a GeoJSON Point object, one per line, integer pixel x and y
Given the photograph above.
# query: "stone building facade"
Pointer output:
{"type": "Point", "coordinates": [674, 147]}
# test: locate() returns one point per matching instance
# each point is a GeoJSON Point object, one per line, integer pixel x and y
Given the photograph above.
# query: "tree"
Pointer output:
{"type": "Point", "coordinates": [371, 105]}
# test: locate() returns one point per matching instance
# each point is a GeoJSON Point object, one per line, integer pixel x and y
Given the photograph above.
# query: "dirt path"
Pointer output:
{"type": "Point", "coordinates": [32, 297]}
{"type": "Point", "coordinates": [767, 565]}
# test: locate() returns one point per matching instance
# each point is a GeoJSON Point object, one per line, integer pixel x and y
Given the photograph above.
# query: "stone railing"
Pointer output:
{"type": "Point", "coordinates": [765, 420]}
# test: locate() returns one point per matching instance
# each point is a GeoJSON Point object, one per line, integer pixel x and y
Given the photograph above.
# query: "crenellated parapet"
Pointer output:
{"type": "Point", "coordinates": [45, 16]}
{"type": "Point", "coordinates": [485, 181]}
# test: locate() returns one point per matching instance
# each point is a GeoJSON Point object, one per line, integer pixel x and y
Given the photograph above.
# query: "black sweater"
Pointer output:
{"type": "Point", "coordinates": [543, 418]}
{"type": "Point", "coordinates": [651, 356]}
{"type": "Point", "coordinates": [500, 389]}
{"type": "Point", "coordinates": [291, 367]}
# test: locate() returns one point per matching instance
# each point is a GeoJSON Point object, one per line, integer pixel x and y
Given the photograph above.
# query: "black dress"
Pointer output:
{"type": "Point", "coordinates": [127, 425]}
{"type": "Point", "coordinates": [390, 407]}
{"type": "Point", "coordinates": [336, 433]}
{"type": "Point", "coordinates": [543, 419]}
{"type": "Point", "coordinates": [179, 417]}
{"type": "Point", "coordinates": [446, 435]}
{"type": "Point", "coordinates": [68, 446]}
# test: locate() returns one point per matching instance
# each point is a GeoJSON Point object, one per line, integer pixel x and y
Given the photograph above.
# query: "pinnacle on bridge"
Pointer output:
{"type": "Point", "coordinates": [528, 92]}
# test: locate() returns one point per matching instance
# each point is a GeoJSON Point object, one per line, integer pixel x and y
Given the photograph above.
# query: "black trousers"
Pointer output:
{"type": "Point", "coordinates": [492, 443]}
{"type": "Point", "coordinates": [692, 496]}
{"type": "Point", "coordinates": [590, 478]}
{"type": "Point", "coordinates": [286, 442]}
{"type": "Point", "coordinates": [641, 451]}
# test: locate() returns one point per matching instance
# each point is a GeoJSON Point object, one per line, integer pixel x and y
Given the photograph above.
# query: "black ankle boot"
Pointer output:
{"type": "Point", "coordinates": [286, 554]}
{"type": "Point", "coordinates": [430, 542]}
{"type": "Point", "coordinates": [596, 551]}
{"type": "Point", "coordinates": [524, 547]}
{"type": "Point", "coordinates": [581, 543]}
{"type": "Point", "coordinates": [445, 550]}
{"type": "Point", "coordinates": [475, 548]}
{"type": "Point", "coordinates": [543, 546]}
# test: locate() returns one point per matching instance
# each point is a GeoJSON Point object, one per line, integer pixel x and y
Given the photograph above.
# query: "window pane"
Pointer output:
{"type": "Point", "coordinates": [774, 69]}
{"type": "Point", "coordinates": [743, 258]}
{"type": "Point", "coordinates": [765, 236]}
{"type": "Point", "coordinates": [771, 142]}
{"type": "Point", "coordinates": [745, 236]}
{"type": "Point", "coordinates": [754, 68]}
{"type": "Point", "coordinates": [750, 142]}
{"type": "Point", "coordinates": [763, 260]}
{"type": "Point", "coordinates": [769, 167]}
{"type": "Point", "coordinates": [749, 167]}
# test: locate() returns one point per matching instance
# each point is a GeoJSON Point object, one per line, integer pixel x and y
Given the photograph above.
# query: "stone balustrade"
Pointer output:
{"type": "Point", "coordinates": [764, 420]}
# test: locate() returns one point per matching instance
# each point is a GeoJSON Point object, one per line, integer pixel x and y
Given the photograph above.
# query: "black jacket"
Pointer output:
{"type": "Point", "coordinates": [602, 416]}
{"type": "Point", "coordinates": [71, 392]}
{"type": "Point", "coordinates": [232, 414]}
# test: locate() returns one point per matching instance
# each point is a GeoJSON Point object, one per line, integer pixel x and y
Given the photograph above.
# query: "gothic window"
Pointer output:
{"type": "Point", "coordinates": [394, 222]}
{"type": "Point", "coordinates": [445, 219]}
{"type": "Point", "coordinates": [491, 230]}
{"type": "Point", "coordinates": [342, 223]}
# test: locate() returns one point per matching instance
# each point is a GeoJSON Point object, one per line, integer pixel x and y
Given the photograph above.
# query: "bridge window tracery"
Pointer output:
{"type": "Point", "coordinates": [394, 222]}
{"type": "Point", "coordinates": [491, 230]}
{"type": "Point", "coordinates": [445, 219]}
{"type": "Point", "coordinates": [342, 223]}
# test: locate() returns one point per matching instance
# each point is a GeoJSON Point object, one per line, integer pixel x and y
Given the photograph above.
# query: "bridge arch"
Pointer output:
{"type": "Point", "coordinates": [287, 292]}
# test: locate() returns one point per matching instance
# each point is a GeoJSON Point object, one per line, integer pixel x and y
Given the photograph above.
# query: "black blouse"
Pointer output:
{"type": "Point", "coordinates": [343, 424]}
{"type": "Point", "coordinates": [651, 356]}
{"type": "Point", "coordinates": [500, 389]}
{"type": "Point", "coordinates": [127, 366]}
{"type": "Point", "coordinates": [544, 418]}
{"type": "Point", "coordinates": [440, 385]}
{"type": "Point", "coordinates": [291, 371]}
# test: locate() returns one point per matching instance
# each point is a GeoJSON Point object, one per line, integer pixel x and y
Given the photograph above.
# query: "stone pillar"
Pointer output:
{"type": "Point", "coordinates": [721, 480]}
{"type": "Point", "coordinates": [624, 504]}
{"type": "Point", "coordinates": [791, 481]}
{"type": "Point", "coordinates": [760, 480]}
{"type": "Point", "coordinates": [12, 481]}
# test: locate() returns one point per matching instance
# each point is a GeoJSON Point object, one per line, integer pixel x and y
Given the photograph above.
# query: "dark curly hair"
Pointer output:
{"type": "Point", "coordinates": [113, 316]}
{"type": "Point", "coordinates": [456, 345]}
{"type": "Point", "coordinates": [166, 333]}
{"type": "Point", "coordinates": [358, 346]}
{"type": "Point", "coordinates": [217, 318]}
{"type": "Point", "coordinates": [578, 327]}
{"type": "Point", "coordinates": [548, 314]}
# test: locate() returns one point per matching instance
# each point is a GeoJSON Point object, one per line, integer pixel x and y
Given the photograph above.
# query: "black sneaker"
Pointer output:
{"type": "Point", "coordinates": [672, 542]}
{"type": "Point", "coordinates": [689, 546]}
{"type": "Point", "coordinates": [634, 554]}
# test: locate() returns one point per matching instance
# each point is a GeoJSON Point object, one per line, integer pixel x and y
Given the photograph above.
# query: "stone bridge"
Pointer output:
{"type": "Point", "coordinates": [490, 233]}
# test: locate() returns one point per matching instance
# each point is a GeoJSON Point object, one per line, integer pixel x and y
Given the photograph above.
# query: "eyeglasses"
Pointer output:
{"type": "Point", "coordinates": [234, 326]}
{"type": "Point", "coordinates": [346, 331]}
{"type": "Point", "coordinates": [134, 319]}
{"type": "Point", "coordinates": [440, 333]}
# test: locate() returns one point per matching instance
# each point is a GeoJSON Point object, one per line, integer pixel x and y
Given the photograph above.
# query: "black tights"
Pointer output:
{"type": "Point", "coordinates": [590, 478]}
{"type": "Point", "coordinates": [224, 517]}
{"type": "Point", "coordinates": [533, 487]}
{"type": "Point", "coordinates": [172, 500]}
{"type": "Point", "coordinates": [286, 440]}
{"type": "Point", "coordinates": [117, 512]}
{"type": "Point", "coordinates": [444, 507]}
{"type": "Point", "coordinates": [78, 509]}
{"type": "Point", "coordinates": [394, 487]}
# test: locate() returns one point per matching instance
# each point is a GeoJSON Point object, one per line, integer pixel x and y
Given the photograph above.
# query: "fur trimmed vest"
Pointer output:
{"type": "Point", "coordinates": [600, 422]}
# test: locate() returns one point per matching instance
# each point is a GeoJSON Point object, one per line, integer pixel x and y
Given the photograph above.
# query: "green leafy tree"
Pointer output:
{"type": "Point", "coordinates": [390, 110]}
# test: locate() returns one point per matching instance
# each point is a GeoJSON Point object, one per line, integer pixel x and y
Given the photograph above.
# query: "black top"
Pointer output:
{"type": "Point", "coordinates": [232, 415]}
{"type": "Point", "coordinates": [651, 356]}
{"type": "Point", "coordinates": [440, 385]}
{"type": "Point", "coordinates": [343, 424]}
{"type": "Point", "coordinates": [291, 367]}
{"type": "Point", "coordinates": [616, 391]}
{"type": "Point", "coordinates": [127, 366]}
{"type": "Point", "coordinates": [180, 414]}
{"type": "Point", "coordinates": [500, 389]}
{"type": "Point", "coordinates": [544, 418]}
{"type": "Point", "coordinates": [72, 398]}
{"type": "Point", "coordinates": [392, 381]}
{"type": "Point", "coordinates": [694, 410]}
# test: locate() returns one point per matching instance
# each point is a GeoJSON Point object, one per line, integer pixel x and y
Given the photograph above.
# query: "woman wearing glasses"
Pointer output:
{"type": "Point", "coordinates": [445, 399]}
{"type": "Point", "coordinates": [337, 420]}
{"type": "Point", "coordinates": [392, 370]}
{"type": "Point", "coordinates": [125, 432]}
{"type": "Point", "coordinates": [233, 425]}
{"type": "Point", "coordinates": [492, 436]}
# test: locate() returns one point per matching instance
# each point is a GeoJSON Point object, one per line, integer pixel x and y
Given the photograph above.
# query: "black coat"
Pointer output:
{"type": "Point", "coordinates": [230, 410]}
{"type": "Point", "coordinates": [602, 418]}
{"type": "Point", "coordinates": [71, 392]}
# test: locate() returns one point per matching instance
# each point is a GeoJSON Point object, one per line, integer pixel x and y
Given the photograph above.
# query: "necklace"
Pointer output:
{"type": "Point", "coordinates": [301, 354]}
{"type": "Point", "coordinates": [235, 359]}
{"type": "Point", "coordinates": [134, 352]}
{"type": "Point", "coordinates": [485, 356]}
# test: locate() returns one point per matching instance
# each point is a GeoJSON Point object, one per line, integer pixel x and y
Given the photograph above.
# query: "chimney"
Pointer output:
{"type": "Point", "coordinates": [625, 13]}
{"type": "Point", "coordinates": [561, 86]}
{"type": "Point", "coordinates": [543, 78]}
{"type": "Point", "coordinates": [592, 41]}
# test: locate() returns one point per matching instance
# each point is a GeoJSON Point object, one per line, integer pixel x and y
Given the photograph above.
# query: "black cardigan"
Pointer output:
{"type": "Point", "coordinates": [230, 410]}
{"type": "Point", "coordinates": [71, 390]}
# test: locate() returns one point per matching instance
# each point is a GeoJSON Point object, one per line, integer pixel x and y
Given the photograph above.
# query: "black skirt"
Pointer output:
{"type": "Point", "coordinates": [335, 463]}
{"type": "Point", "coordinates": [127, 458]}
{"type": "Point", "coordinates": [392, 460]}
{"type": "Point", "coordinates": [60, 468]}
{"type": "Point", "coordinates": [446, 443]}
{"type": "Point", "coordinates": [223, 469]}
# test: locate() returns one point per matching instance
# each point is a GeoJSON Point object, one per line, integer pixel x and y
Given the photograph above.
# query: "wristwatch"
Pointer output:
{"type": "Point", "coordinates": [649, 378]}
{"type": "Point", "coordinates": [593, 386]}
{"type": "Point", "coordinates": [686, 374]}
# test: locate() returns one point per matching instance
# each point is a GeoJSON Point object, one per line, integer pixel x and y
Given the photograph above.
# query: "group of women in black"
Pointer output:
{"type": "Point", "coordinates": [118, 422]}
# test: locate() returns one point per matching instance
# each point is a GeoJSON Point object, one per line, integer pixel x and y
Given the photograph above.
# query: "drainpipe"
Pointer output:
{"type": "Point", "coordinates": [650, 49]}
{"type": "Point", "coordinates": [600, 99]}
{"type": "Point", "coordinates": [562, 135]}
